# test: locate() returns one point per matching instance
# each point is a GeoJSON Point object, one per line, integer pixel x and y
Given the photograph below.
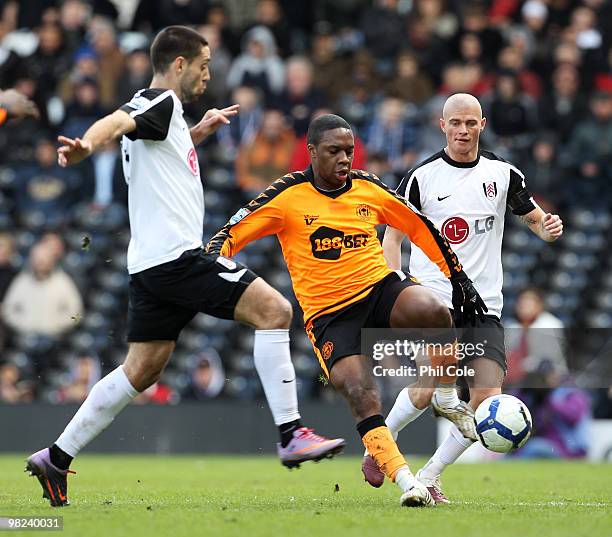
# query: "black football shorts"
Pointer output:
{"type": "Point", "coordinates": [163, 299]}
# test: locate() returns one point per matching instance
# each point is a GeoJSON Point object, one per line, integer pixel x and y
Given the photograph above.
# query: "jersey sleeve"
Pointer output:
{"type": "Point", "coordinates": [519, 199]}
{"type": "Point", "coordinates": [152, 116]}
{"type": "Point", "coordinates": [419, 229]}
{"type": "Point", "coordinates": [409, 189]}
{"type": "Point", "coordinates": [265, 215]}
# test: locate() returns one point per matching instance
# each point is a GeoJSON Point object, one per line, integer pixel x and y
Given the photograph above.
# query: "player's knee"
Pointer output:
{"type": "Point", "coordinates": [276, 313]}
{"type": "Point", "coordinates": [478, 396]}
{"type": "Point", "coordinates": [142, 376]}
{"type": "Point", "coordinates": [438, 315]}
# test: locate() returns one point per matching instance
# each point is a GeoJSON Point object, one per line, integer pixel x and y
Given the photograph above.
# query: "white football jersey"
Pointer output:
{"type": "Point", "coordinates": [165, 193]}
{"type": "Point", "coordinates": [467, 203]}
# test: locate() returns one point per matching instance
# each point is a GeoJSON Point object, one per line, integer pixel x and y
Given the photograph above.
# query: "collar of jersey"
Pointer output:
{"type": "Point", "coordinates": [457, 164]}
{"type": "Point", "coordinates": [334, 193]}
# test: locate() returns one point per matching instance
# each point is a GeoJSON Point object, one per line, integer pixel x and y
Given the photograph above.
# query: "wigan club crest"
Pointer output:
{"type": "Point", "coordinates": [490, 189]}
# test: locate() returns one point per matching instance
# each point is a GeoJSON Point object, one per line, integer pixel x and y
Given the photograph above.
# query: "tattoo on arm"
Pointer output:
{"type": "Point", "coordinates": [529, 220]}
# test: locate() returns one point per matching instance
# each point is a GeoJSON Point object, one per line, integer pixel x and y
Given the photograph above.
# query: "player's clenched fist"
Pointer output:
{"type": "Point", "coordinates": [552, 226]}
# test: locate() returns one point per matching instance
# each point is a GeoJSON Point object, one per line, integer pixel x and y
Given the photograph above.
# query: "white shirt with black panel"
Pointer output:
{"type": "Point", "coordinates": [467, 203]}
{"type": "Point", "coordinates": [166, 197]}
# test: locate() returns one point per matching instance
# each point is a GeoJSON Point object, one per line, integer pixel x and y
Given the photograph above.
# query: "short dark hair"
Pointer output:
{"type": "Point", "coordinates": [172, 42]}
{"type": "Point", "coordinates": [326, 122]}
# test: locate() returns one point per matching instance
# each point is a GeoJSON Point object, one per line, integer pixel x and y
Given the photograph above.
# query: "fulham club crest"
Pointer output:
{"type": "Point", "coordinates": [490, 189]}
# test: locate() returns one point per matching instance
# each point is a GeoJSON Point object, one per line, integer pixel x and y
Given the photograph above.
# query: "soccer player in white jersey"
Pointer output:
{"type": "Point", "coordinates": [171, 277]}
{"type": "Point", "coordinates": [464, 191]}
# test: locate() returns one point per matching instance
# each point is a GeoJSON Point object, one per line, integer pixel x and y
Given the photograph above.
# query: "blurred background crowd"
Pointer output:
{"type": "Point", "coordinates": [541, 68]}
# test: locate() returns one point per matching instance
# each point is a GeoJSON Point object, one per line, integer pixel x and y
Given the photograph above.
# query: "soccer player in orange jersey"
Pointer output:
{"type": "Point", "coordinates": [325, 218]}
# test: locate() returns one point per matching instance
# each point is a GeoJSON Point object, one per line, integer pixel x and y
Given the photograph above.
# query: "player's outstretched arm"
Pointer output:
{"type": "Point", "coordinates": [212, 120]}
{"type": "Point", "coordinates": [467, 303]}
{"type": "Point", "coordinates": [392, 247]}
{"type": "Point", "coordinates": [111, 127]}
{"type": "Point", "coordinates": [547, 226]}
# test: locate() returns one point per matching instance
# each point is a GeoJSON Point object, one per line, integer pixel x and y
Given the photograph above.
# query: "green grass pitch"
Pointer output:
{"type": "Point", "coordinates": [250, 496]}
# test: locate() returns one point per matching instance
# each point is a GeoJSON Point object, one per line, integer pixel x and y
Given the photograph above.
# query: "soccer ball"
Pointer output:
{"type": "Point", "coordinates": [503, 423]}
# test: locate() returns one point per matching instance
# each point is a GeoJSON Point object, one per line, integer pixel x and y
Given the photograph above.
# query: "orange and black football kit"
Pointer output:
{"type": "Point", "coordinates": [333, 254]}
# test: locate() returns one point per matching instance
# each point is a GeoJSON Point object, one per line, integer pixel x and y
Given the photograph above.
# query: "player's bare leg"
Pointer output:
{"type": "Point", "coordinates": [352, 376]}
{"type": "Point", "coordinates": [264, 308]}
{"type": "Point", "coordinates": [417, 307]}
{"type": "Point", "coordinates": [143, 366]}
{"type": "Point", "coordinates": [487, 381]}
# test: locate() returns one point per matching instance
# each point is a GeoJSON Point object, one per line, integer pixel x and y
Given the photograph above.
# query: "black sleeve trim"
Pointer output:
{"type": "Point", "coordinates": [519, 198]}
{"type": "Point", "coordinates": [153, 122]}
{"type": "Point", "coordinates": [404, 182]}
{"type": "Point", "coordinates": [414, 195]}
{"type": "Point", "coordinates": [215, 244]}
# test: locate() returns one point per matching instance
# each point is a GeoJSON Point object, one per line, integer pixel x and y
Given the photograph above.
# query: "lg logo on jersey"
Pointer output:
{"type": "Point", "coordinates": [456, 229]}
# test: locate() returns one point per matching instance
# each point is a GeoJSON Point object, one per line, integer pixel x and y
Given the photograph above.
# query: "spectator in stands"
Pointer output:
{"type": "Point", "coordinates": [269, 14]}
{"type": "Point", "coordinates": [329, 68]}
{"type": "Point", "coordinates": [470, 50]}
{"type": "Point", "coordinates": [300, 159]}
{"type": "Point", "coordinates": [259, 64]}
{"type": "Point", "coordinates": [383, 28]}
{"type": "Point", "coordinates": [7, 273]}
{"type": "Point", "coordinates": [464, 78]}
{"type": "Point", "coordinates": [392, 135]}
{"type": "Point", "coordinates": [84, 109]}
{"type": "Point", "coordinates": [268, 156]}
{"type": "Point", "coordinates": [44, 192]}
{"type": "Point", "coordinates": [109, 181]}
{"type": "Point", "coordinates": [510, 113]}
{"type": "Point", "coordinates": [475, 20]}
{"type": "Point", "coordinates": [111, 60]}
{"type": "Point", "coordinates": [362, 91]}
{"type": "Point", "coordinates": [7, 267]}
{"type": "Point", "coordinates": [17, 136]}
{"type": "Point", "coordinates": [562, 108]}
{"type": "Point", "coordinates": [74, 16]}
{"type": "Point", "coordinates": [221, 60]}
{"type": "Point", "coordinates": [562, 414]}
{"type": "Point", "coordinates": [542, 166]}
{"type": "Point", "coordinates": [299, 99]}
{"type": "Point", "coordinates": [51, 59]}
{"type": "Point", "coordinates": [245, 126]}
{"type": "Point", "coordinates": [85, 371]}
{"type": "Point", "coordinates": [590, 145]}
{"type": "Point", "coordinates": [533, 337]}
{"type": "Point", "coordinates": [512, 59]}
{"type": "Point", "coordinates": [151, 17]}
{"type": "Point", "coordinates": [10, 62]}
{"type": "Point", "coordinates": [379, 166]}
{"type": "Point", "coordinates": [42, 299]}
{"type": "Point", "coordinates": [12, 389]}
{"type": "Point", "coordinates": [410, 83]}
{"type": "Point", "coordinates": [138, 74]}
{"type": "Point", "coordinates": [85, 67]}
{"type": "Point", "coordinates": [207, 378]}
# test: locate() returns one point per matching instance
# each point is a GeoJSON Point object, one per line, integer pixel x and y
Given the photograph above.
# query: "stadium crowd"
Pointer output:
{"type": "Point", "coordinates": [541, 68]}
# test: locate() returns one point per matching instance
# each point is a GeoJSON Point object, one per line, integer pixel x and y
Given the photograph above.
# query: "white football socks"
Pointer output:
{"type": "Point", "coordinates": [275, 370]}
{"type": "Point", "coordinates": [107, 398]}
{"type": "Point", "coordinates": [402, 413]}
{"type": "Point", "coordinates": [404, 479]}
{"type": "Point", "coordinates": [446, 395]}
{"type": "Point", "coordinates": [453, 446]}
